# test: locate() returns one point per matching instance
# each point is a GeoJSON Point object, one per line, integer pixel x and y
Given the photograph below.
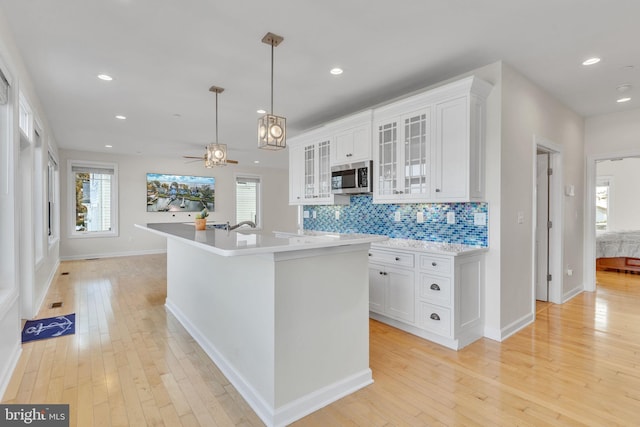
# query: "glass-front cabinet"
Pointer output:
{"type": "Point", "coordinates": [430, 147]}
{"type": "Point", "coordinates": [404, 153]}
{"type": "Point", "coordinates": [310, 172]}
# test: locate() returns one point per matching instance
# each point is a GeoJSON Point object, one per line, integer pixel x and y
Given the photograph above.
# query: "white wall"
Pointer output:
{"type": "Point", "coordinates": [624, 203]}
{"type": "Point", "coordinates": [277, 215]}
{"type": "Point", "coordinates": [13, 239]}
{"type": "Point", "coordinates": [528, 111]}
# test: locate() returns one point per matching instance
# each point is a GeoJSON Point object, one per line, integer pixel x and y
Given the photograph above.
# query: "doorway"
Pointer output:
{"type": "Point", "coordinates": [543, 222]}
{"type": "Point", "coordinates": [547, 226]}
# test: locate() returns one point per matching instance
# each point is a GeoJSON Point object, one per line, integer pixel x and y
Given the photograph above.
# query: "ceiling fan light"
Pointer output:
{"type": "Point", "coordinates": [216, 155]}
{"type": "Point", "coordinates": [272, 133]}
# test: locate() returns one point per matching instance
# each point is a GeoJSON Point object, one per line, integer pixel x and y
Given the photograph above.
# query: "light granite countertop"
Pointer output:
{"type": "Point", "coordinates": [408, 244]}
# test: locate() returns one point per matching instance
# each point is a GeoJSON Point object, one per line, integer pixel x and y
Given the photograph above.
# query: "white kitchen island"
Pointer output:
{"type": "Point", "coordinates": [284, 317]}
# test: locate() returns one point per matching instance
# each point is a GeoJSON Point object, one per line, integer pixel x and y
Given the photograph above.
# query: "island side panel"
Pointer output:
{"type": "Point", "coordinates": [230, 300]}
{"type": "Point", "coordinates": [322, 323]}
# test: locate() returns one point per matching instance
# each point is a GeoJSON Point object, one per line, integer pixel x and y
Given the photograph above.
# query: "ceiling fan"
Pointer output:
{"type": "Point", "coordinates": [216, 153]}
{"type": "Point", "coordinates": [204, 158]}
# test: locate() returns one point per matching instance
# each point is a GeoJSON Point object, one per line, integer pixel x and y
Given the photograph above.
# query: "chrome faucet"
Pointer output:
{"type": "Point", "coordinates": [230, 227]}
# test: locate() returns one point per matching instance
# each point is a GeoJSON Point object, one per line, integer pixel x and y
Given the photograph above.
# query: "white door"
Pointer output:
{"type": "Point", "coordinates": [542, 229]}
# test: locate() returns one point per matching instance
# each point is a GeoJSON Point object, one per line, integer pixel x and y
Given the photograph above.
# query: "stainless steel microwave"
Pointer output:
{"type": "Point", "coordinates": [354, 178]}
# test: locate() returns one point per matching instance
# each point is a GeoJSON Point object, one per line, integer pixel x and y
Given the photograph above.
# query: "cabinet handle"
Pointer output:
{"type": "Point", "coordinates": [435, 287]}
{"type": "Point", "coordinates": [369, 253]}
{"type": "Point", "coordinates": [349, 154]}
{"type": "Point", "coordinates": [435, 264]}
{"type": "Point", "coordinates": [437, 190]}
{"type": "Point", "coordinates": [434, 316]}
{"type": "Point", "coordinates": [397, 258]}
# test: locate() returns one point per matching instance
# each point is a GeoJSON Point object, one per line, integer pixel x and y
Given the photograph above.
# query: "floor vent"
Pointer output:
{"type": "Point", "coordinates": [56, 304]}
{"type": "Point", "coordinates": [64, 273]}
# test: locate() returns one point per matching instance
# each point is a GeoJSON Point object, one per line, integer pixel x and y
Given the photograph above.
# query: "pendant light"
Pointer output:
{"type": "Point", "coordinates": [216, 154]}
{"type": "Point", "coordinates": [272, 130]}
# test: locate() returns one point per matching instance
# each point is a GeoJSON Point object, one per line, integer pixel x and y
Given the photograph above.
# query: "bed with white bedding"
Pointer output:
{"type": "Point", "coordinates": [618, 250]}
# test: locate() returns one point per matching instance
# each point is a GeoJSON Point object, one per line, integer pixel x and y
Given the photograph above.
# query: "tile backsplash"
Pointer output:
{"type": "Point", "coordinates": [362, 216]}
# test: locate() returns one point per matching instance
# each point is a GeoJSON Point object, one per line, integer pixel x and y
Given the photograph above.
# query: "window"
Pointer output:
{"type": "Point", "coordinates": [25, 120]}
{"type": "Point", "coordinates": [248, 199]}
{"type": "Point", "coordinates": [52, 196]}
{"type": "Point", "coordinates": [94, 207]}
{"type": "Point", "coordinates": [603, 202]}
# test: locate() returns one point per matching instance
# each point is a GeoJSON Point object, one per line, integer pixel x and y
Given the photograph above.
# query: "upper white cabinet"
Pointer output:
{"type": "Point", "coordinates": [352, 137]}
{"type": "Point", "coordinates": [310, 171]}
{"type": "Point", "coordinates": [430, 147]}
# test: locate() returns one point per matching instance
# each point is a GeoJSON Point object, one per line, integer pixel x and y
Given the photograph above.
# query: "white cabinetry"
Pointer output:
{"type": "Point", "coordinates": [352, 139]}
{"type": "Point", "coordinates": [430, 147]}
{"type": "Point", "coordinates": [310, 171]}
{"type": "Point", "coordinates": [392, 284]}
{"type": "Point", "coordinates": [445, 298]}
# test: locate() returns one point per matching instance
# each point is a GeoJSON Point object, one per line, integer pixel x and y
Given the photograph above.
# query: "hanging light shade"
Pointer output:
{"type": "Point", "coordinates": [216, 154]}
{"type": "Point", "coordinates": [272, 129]}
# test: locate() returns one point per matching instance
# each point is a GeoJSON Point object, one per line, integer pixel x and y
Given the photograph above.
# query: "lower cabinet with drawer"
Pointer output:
{"type": "Point", "coordinates": [392, 285]}
{"type": "Point", "coordinates": [437, 297]}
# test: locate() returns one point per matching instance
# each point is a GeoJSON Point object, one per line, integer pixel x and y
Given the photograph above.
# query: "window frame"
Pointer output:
{"type": "Point", "coordinates": [605, 181]}
{"type": "Point", "coordinates": [71, 188]}
{"type": "Point", "coordinates": [53, 196]}
{"type": "Point", "coordinates": [255, 178]}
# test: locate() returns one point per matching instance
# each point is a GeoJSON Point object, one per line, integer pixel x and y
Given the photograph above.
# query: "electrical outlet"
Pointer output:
{"type": "Point", "coordinates": [480, 218]}
{"type": "Point", "coordinates": [420, 217]}
{"type": "Point", "coordinates": [305, 214]}
{"type": "Point", "coordinates": [451, 217]}
{"type": "Point", "coordinates": [397, 217]}
{"type": "Point", "coordinates": [520, 217]}
{"type": "Point", "coordinates": [337, 214]}
{"type": "Point", "coordinates": [314, 214]}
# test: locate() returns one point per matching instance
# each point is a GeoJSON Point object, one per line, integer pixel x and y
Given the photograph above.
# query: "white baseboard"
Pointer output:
{"type": "Point", "coordinates": [113, 254]}
{"type": "Point", "coordinates": [516, 326]}
{"type": "Point", "coordinates": [572, 293]}
{"type": "Point", "coordinates": [273, 417]}
{"type": "Point", "coordinates": [52, 275]}
{"type": "Point", "coordinates": [9, 305]}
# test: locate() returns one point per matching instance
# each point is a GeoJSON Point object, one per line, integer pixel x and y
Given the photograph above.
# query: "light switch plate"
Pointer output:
{"type": "Point", "coordinates": [397, 217]}
{"type": "Point", "coordinates": [314, 214]}
{"type": "Point", "coordinates": [420, 217]}
{"type": "Point", "coordinates": [305, 214]}
{"type": "Point", "coordinates": [337, 214]}
{"type": "Point", "coordinates": [451, 217]}
{"type": "Point", "coordinates": [480, 218]}
{"type": "Point", "coordinates": [520, 217]}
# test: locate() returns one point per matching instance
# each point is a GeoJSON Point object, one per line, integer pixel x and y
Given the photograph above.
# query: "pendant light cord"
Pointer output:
{"type": "Point", "coordinates": [272, 77]}
{"type": "Point", "coordinates": [216, 117]}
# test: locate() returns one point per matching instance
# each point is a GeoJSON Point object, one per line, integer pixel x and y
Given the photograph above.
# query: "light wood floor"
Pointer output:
{"type": "Point", "coordinates": [131, 363]}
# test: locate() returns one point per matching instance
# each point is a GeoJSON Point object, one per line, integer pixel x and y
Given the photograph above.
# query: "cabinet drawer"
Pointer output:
{"type": "Point", "coordinates": [403, 259]}
{"type": "Point", "coordinates": [435, 289]}
{"type": "Point", "coordinates": [434, 264]}
{"type": "Point", "coordinates": [435, 319]}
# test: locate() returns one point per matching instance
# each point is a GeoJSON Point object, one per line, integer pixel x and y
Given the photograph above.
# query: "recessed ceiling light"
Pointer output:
{"type": "Point", "coordinates": [119, 117]}
{"type": "Point", "coordinates": [626, 87]}
{"type": "Point", "coordinates": [108, 146]}
{"type": "Point", "coordinates": [336, 71]}
{"type": "Point", "coordinates": [625, 99]}
{"type": "Point", "coordinates": [256, 161]}
{"type": "Point", "coordinates": [105, 77]}
{"type": "Point", "coordinates": [261, 111]}
{"type": "Point", "coordinates": [591, 61]}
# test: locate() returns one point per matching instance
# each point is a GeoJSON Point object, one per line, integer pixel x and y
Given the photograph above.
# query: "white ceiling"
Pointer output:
{"type": "Point", "coordinates": [165, 54]}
